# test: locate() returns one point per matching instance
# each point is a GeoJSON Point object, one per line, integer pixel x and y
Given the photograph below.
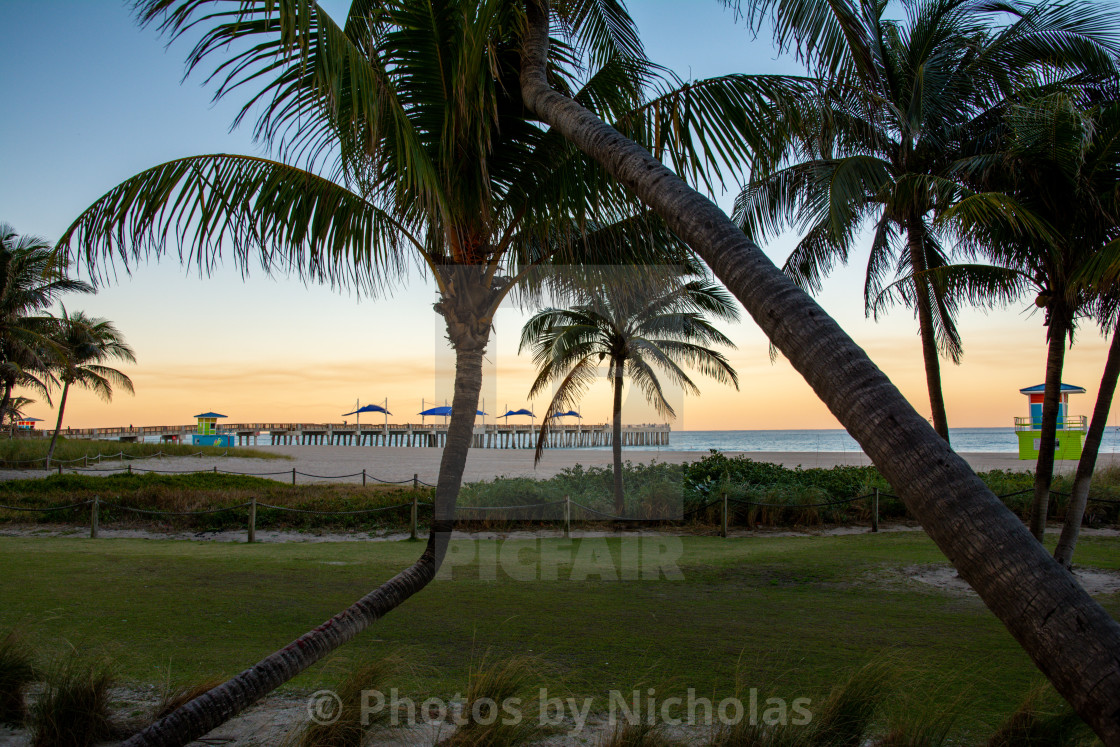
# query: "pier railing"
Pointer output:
{"type": "Point", "coordinates": [1070, 423]}
{"type": "Point", "coordinates": [488, 436]}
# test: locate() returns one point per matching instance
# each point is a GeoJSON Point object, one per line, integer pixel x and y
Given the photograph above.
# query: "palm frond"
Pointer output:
{"type": "Point", "coordinates": [288, 219]}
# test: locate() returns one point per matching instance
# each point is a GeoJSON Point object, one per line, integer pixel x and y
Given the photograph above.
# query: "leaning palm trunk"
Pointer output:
{"type": "Point", "coordinates": [1079, 495]}
{"type": "Point", "coordinates": [928, 336]}
{"type": "Point", "coordinates": [58, 425]}
{"type": "Point", "coordinates": [1048, 429]}
{"type": "Point", "coordinates": [1069, 636]}
{"type": "Point", "coordinates": [616, 436]}
{"type": "Point", "coordinates": [208, 711]}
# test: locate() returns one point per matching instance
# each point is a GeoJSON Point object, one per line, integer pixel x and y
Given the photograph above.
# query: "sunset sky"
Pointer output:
{"type": "Point", "coordinates": [92, 99]}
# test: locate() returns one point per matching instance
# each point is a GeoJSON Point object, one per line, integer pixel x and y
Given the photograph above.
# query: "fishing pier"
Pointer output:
{"type": "Point", "coordinates": [490, 436]}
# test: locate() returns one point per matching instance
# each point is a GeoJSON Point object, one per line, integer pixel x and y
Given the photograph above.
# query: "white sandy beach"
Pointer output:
{"type": "Point", "coordinates": [326, 463]}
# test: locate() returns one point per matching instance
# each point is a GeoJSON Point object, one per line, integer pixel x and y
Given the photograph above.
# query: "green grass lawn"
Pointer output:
{"type": "Point", "coordinates": [790, 616]}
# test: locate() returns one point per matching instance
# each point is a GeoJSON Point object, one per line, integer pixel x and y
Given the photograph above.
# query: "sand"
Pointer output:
{"type": "Point", "coordinates": [328, 463]}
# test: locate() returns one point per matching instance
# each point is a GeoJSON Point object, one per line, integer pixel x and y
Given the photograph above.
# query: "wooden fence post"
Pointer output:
{"type": "Point", "coordinates": [293, 475]}
{"type": "Point", "coordinates": [363, 478]}
{"type": "Point", "coordinates": [723, 522]}
{"type": "Point", "coordinates": [252, 519]}
{"type": "Point", "coordinates": [60, 469]}
{"type": "Point", "coordinates": [94, 517]}
{"type": "Point", "coordinates": [415, 481]}
{"type": "Point", "coordinates": [130, 469]}
{"type": "Point", "coordinates": [875, 512]}
{"type": "Point", "coordinates": [215, 469]}
{"type": "Point", "coordinates": [415, 498]}
{"type": "Point", "coordinates": [567, 517]}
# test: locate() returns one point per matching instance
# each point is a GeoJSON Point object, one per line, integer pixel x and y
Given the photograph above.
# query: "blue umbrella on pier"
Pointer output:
{"type": "Point", "coordinates": [443, 411]}
{"type": "Point", "coordinates": [369, 408]}
{"type": "Point", "coordinates": [522, 411]}
{"type": "Point", "coordinates": [569, 414]}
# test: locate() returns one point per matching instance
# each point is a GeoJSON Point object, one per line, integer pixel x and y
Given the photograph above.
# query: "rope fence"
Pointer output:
{"type": "Point", "coordinates": [724, 501]}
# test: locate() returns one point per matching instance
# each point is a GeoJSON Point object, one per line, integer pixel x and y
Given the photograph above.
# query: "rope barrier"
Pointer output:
{"type": "Point", "coordinates": [50, 508]}
{"type": "Point", "coordinates": [509, 508]}
{"type": "Point", "coordinates": [332, 513]}
{"type": "Point", "coordinates": [325, 477]}
{"type": "Point", "coordinates": [175, 513]}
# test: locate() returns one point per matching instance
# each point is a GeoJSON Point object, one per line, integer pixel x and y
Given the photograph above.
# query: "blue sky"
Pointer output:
{"type": "Point", "coordinates": [92, 98]}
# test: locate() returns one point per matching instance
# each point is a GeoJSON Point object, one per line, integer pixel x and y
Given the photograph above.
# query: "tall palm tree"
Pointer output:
{"type": "Point", "coordinates": [638, 326]}
{"type": "Point", "coordinates": [1070, 637]}
{"type": "Point", "coordinates": [31, 279]}
{"type": "Point", "coordinates": [413, 111]}
{"type": "Point", "coordinates": [890, 118]}
{"type": "Point", "coordinates": [85, 345]}
{"type": "Point", "coordinates": [1048, 208]}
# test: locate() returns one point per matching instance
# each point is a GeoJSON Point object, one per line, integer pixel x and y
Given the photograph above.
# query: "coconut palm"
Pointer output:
{"type": "Point", "coordinates": [31, 279]}
{"type": "Point", "coordinates": [412, 149]}
{"type": "Point", "coordinates": [639, 327]}
{"type": "Point", "coordinates": [895, 115]}
{"type": "Point", "coordinates": [1048, 209]}
{"type": "Point", "coordinates": [1071, 638]}
{"type": "Point", "coordinates": [85, 345]}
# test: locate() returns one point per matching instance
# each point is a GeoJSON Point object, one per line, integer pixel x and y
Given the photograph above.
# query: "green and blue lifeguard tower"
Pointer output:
{"type": "Point", "coordinates": [1071, 428]}
{"type": "Point", "coordinates": [206, 434]}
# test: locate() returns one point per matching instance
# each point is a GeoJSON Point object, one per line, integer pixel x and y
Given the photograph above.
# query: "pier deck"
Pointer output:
{"type": "Point", "coordinates": [491, 436]}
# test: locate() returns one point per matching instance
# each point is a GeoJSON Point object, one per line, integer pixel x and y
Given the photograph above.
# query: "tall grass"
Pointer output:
{"type": "Point", "coordinates": [490, 684]}
{"type": "Point", "coordinates": [30, 453]}
{"type": "Point", "coordinates": [639, 735]}
{"type": "Point", "coordinates": [73, 710]}
{"type": "Point", "coordinates": [174, 698]}
{"type": "Point", "coordinates": [350, 728]}
{"type": "Point", "coordinates": [17, 672]}
{"type": "Point", "coordinates": [1042, 720]}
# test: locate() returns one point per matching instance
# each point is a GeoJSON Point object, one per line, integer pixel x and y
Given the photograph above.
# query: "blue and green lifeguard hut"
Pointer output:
{"type": "Point", "coordinates": [1071, 428]}
{"type": "Point", "coordinates": [206, 433]}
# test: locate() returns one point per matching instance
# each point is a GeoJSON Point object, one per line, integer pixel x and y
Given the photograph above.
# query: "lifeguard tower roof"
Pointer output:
{"type": "Point", "coordinates": [219, 415]}
{"type": "Point", "coordinates": [1041, 388]}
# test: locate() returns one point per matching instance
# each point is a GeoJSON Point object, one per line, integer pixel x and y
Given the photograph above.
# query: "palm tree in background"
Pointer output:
{"type": "Point", "coordinates": [638, 327]}
{"type": "Point", "coordinates": [86, 344]}
{"type": "Point", "coordinates": [412, 110]}
{"type": "Point", "coordinates": [1072, 639]}
{"type": "Point", "coordinates": [885, 129]}
{"type": "Point", "coordinates": [31, 279]}
{"type": "Point", "coordinates": [1044, 209]}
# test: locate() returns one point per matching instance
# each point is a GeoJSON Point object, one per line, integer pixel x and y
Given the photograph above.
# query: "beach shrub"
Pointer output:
{"type": "Point", "coordinates": [491, 683]}
{"type": "Point", "coordinates": [30, 453]}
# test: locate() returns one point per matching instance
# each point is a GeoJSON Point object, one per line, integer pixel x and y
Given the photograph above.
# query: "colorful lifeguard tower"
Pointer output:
{"type": "Point", "coordinates": [206, 434]}
{"type": "Point", "coordinates": [1071, 428]}
{"type": "Point", "coordinates": [27, 424]}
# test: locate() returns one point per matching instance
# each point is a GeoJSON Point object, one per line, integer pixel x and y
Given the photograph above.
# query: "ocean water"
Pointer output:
{"type": "Point", "coordinates": [989, 440]}
{"type": "Point", "coordinates": [997, 440]}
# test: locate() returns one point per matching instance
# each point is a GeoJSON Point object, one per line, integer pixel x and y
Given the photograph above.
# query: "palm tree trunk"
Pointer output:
{"type": "Point", "coordinates": [1044, 468]}
{"type": "Point", "coordinates": [616, 442]}
{"type": "Point", "coordinates": [58, 424]}
{"type": "Point", "coordinates": [1079, 495]}
{"type": "Point", "coordinates": [915, 232]}
{"type": "Point", "coordinates": [1070, 637]}
{"type": "Point", "coordinates": [215, 707]}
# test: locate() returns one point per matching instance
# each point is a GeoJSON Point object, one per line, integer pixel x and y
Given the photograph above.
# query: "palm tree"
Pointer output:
{"type": "Point", "coordinates": [86, 343]}
{"type": "Point", "coordinates": [1069, 636]}
{"type": "Point", "coordinates": [638, 326]}
{"type": "Point", "coordinates": [31, 279]}
{"type": "Point", "coordinates": [413, 111]}
{"type": "Point", "coordinates": [888, 121]}
{"type": "Point", "coordinates": [1048, 208]}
